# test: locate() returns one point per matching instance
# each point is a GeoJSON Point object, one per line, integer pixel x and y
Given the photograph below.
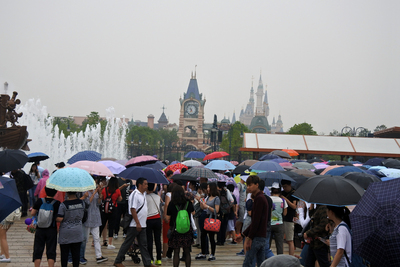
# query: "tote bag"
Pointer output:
{"type": "Point", "coordinates": [212, 225]}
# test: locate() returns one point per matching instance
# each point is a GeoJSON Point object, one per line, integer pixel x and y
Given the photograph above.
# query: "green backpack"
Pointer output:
{"type": "Point", "coordinates": [182, 220]}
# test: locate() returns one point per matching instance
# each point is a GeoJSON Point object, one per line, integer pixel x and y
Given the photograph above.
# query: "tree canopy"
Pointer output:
{"type": "Point", "coordinates": [302, 128]}
{"type": "Point", "coordinates": [233, 137]}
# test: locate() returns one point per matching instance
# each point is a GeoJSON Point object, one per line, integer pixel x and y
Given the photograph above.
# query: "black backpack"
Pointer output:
{"type": "Point", "coordinates": [107, 206]}
{"type": "Point", "coordinates": [225, 205]}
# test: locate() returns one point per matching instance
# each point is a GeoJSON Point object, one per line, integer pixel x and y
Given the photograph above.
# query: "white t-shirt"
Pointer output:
{"type": "Point", "coordinates": [137, 200]}
{"type": "Point", "coordinates": [341, 238]}
{"type": "Point", "coordinates": [277, 214]}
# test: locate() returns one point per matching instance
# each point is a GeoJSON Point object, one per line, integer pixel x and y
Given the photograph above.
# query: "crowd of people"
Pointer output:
{"type": "Point", "coordinates": [249, 213]}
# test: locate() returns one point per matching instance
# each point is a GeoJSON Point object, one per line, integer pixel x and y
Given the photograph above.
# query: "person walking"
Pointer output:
{"type": "Point", "coordinates": [137, 228]}
{"type": "Point", "coordinates": [153, 223]}
{"type": "Point", "coordinates": [180, 240]}
{"type": "Point", "coordinates": [288, 223]}
{"type": "Point", "coordinates": [210, 207]}
{"type": "Point", "coordinates": [124, 187]}
{"type": "Point", "coordinates": [256, 233]}
{"type": "Point", "coordinates": [111, 191]}
{"type": "Point", "coordinates": [35, 176]}
{"type": "Point", "coordinates": [277, 217]}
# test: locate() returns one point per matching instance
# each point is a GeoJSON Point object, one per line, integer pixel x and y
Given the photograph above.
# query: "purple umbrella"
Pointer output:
{"type": "Point", "coordinates": [113, 166]}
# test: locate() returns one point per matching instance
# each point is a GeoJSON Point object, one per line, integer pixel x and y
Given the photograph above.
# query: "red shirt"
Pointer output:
{"type": "Point", "coordinates": [114, 196]}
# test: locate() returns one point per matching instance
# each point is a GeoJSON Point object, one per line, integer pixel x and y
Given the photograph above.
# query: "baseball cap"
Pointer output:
{"type": "Point", "coordinates": [276, 185]}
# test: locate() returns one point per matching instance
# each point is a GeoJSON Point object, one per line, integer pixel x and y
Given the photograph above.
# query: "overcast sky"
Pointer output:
{"type": "Point", "coordinates": [328, 63]}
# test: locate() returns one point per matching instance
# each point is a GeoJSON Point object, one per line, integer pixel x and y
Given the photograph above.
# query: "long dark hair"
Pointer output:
{"type": "Point", "coordinates": [34, 171]}
{"type": "Point", "coordinates": [112, 185]}
{"type": "Point", "coordinates": [178, 196]}
{"type": "Point", "coordinates": [213, 189]}
{"type": "Point", "coordinates": [342, 213]}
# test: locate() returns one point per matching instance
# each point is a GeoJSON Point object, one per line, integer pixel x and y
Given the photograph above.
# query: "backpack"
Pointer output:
{"type": "Point", "coordinates": [107, 205]}
{"type": "Point", "coordinates": [225, 205]}
{"type": "Point", "coordinates": [356, 260]}
{"type": "Point", "coordinates": [182, 220]}
{"type": "Point", "coordinates": [45, 214]}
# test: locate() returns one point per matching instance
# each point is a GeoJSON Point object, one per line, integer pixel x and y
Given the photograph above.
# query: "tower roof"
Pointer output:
{"type": "Point", "coordinates": [193, 90]}
{"type": "Point", "coordinates": [163, 118]}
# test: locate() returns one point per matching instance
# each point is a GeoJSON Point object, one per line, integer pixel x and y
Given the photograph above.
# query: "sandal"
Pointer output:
{"type": "Point", "coordinates": [105, 243]}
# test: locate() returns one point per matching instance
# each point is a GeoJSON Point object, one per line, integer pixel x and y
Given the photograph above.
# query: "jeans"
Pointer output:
{"type": "Point", "coordinates": [221, 235]}
{"type": "Point", "coordinates": [32, 198]}
{"type": "Point", "coordinates": [277, 231]}
{"type": "Point", "coordinates": [303, 254]}
{"type": "Point", "coordinates": [257, 251]}
{"type": "Point", "coordinates": [204, 237]}
{"type": "Point", "coordinates": [319, 254]}
{"type": "Point", "coordinates": [131, 234]}
{"type": "Point", "coordinates": [153, 227]}
{"type": "Point", "coordinates": [268, 251]}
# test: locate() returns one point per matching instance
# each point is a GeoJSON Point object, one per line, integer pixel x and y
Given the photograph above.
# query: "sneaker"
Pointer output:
{"type": "Point", "coordinates": [69, 261]}
{"type": "Point", "coordinates": [200, 257]}
{"type": "Point", "coordinates": [83, 261]}
{"type": "Point", "coordinates": [101, 259]}
{"type": "Point", "coordinates": [5, 260]}
{"type": "Point", "coordinates": [30, 209]}
{"type": "Point", "coordinates": [110, 247]}
{"type": "Point", "coordinates": [115, 236]}
{"type": "Point", "coordinates": [2, 257]}
{"type": "Point", "coordinates": [233, 243]}
{"type": "Point", "coordinates": [241, 253]}
{"type": "Point", "coordinates": [158, 262]}
{"type": "Point", "coordinates": [211, 258]}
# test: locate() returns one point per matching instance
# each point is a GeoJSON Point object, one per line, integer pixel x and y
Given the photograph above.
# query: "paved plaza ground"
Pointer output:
{"type": "Point", "coordinates": [21, 248]}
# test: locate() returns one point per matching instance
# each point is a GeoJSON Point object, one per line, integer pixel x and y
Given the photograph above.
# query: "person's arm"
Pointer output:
{"type": "Point", "coordinates": [135, 218]}
{"type": "Point", "coordinates": [284, 211]}
{"type": "Point", "coordinates": [338, 257]}
{"type": "Point", "coordinates": [120, 196]}
{"type": "Point", "coordinates": [293, 204]}
{"type": "Point", "coordinates": [167, 200]}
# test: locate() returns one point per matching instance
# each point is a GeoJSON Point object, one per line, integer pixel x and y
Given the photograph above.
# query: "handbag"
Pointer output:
{"type": "Point", "coordinates": [212, 225]}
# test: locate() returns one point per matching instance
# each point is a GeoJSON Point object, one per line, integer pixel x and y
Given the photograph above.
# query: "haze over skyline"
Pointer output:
{"type": "Point", "coordinates": [330, 63]}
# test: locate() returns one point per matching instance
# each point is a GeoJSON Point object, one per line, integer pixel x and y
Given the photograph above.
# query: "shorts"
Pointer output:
{"type": "Point", "coordinates": [231, 226]}
{"type": "Point", "coordinates": [241, 213]}
{"type": "Point", "coordinates": [289, 230]}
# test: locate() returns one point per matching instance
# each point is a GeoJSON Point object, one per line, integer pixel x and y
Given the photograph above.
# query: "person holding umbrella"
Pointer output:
{"type": "Point", "coordinates": [340, 239]}
{"type": "Point", "coordinates": [35, 176]}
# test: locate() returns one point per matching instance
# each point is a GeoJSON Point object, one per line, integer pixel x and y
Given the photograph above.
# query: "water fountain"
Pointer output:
{"type": "Point", "coordinates": [51, 141]}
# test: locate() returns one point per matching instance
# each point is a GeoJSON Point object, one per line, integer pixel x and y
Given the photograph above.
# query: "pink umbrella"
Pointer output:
{"type": "Point", "coordinates": [140, 161]}
{"type": "Point", "coordinates": [285, 164]}
{"type": "Point", "coordinates": [92, 167]}
{"type": "Point", "coordinates": [320, 165]}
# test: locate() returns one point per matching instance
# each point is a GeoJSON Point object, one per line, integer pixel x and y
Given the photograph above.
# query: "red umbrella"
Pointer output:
{"type": "Point", "coordinates": [175, 167]}
{"type": "Point", "coordinates": [216, 155]}
{"type": "Point", "coordinates": [140, 161]}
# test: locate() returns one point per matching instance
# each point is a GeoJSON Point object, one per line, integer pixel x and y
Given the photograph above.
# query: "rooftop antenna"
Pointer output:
{"type": "Point", "coordinates": [5, 87]}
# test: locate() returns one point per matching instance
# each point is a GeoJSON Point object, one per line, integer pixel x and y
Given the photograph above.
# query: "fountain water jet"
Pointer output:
{"type": "Point", "coordinates": [49, 139]}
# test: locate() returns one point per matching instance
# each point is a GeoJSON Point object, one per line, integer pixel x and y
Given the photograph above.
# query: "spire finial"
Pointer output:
{"type": "Point", "coordinates": [195, 71]}
{"type": "Point", "coordinates": [252, 79]}
{"type": "Point", "coordinates": [163, 108]}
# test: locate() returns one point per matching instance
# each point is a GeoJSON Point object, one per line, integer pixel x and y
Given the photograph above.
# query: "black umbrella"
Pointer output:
{"type": "Point", "coordinates": [271, 177]}
{"type": "Point", "coordinates": [344, 163]}
{"type": "Point", "coordinates": [362, 179]}
{"type": "Point", "coordinates": [300, 179]}
{"type": "Point", "coordinates": [330, 190]}
{"type": "Point", "coordinates": [392, 163]}
{"type": "Point", "coordinates": [375, 224]}
{"type": "Point", "coordinates": [37, 156]}
{"type": "Point", "coordinates": [281, 154]}
{"type": "Point", "coordinates": [183, 177]}
{"type": "Point", "coordinates": [12, 159]}
{"type": "Point", "coordinates": [200, 172]}
{"type": "Point", "coordinates": [240, 169]}
{"type": "Point", "coordinates": [374, 162]}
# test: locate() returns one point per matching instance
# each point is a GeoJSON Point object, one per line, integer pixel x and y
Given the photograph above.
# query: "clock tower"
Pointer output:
{"type": "Point", "coordinates": [191, 117]}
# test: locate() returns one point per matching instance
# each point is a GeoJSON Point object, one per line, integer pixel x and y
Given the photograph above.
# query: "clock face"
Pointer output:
{"type": "Point", "coordinates": [191, 109]}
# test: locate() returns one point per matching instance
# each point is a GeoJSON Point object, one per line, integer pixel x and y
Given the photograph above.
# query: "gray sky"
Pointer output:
{"type": "Point", "coordinates": [328, 63]}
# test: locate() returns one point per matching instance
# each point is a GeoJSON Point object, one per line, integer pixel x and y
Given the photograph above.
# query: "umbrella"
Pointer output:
{"type": "Point", "coordinates": [330, 190]}
{"type": "Point", "coordinates": [231, 180]}
{"type": "Point", "coordinates": [220, 165]}
{"type": "Point", "coordinates": [266, 166]}
{"type": "Point", "coordinates": [269, 156]}
{"type": "Point", "coordinates": [140, 161]}
{"type": "Point", "coordinates": [320, 166]}
{"type": "Point", "coordinates": [122, 161]}
{"type": "Point", "coordinates": [338, 162]}
{"type": "Point", "coordinates": [183, 177]}
{"type": "Point", "coordinates": [222, 177]}
{"type": "Point", "coordinates": [281, 154]}
{"type": "Point", "coordinates": [315, 160]}
{"type": "Point", "coordinates": [92, 167]}
{"type": "Point", "coordinates": [374, 162]}
{"type": "Point", "coordinates": [12, 159]}
{"type": "Point", "coordinates": [37, 156]}
{"type": "Point", "coordinates": [375, 224]}
{"type": "Point", "coordinates": [323, 171]}
{"type": "Point", "coordinates": [152, 175]}
{"type": "Point", "coordinates": [9, 196]}
{"type": "Point", "coordinates": [287, 165]}
{"type": "Point", "coordinates": [110, 159]}
{"type": "Point", "coordinates": [300, 179]}
{"type": "Point", "coordinates": [248, 162]}
{"type": "Point", "coordinates": [271, 177]}
{"type": "Point", "coordinates": [291, 152]}
{"type": "Point", "coordinates": [341, 170]}
{"type": "Point", "coordinates": [158, 165]}
{"type": "Point", "coordinates": [195, 154]}
{"type": "Point", "coordinates": [304, 165]}
{"type": "Point", "coordinates": [200, 172]}
{"type": "Point", "coordinates": [280, 160]}
{"type": "Point", "coordinates": [174, 162]}
{"type": "Point", "coordinates": [241, 169]}
{"type": "Point", "coordinates": [305, 173]}
{"type": "Point", "coordinates": [216, 155]}
{"type": "Point", "coordinates": [192, 163]}
{"type": "Point", "coordinates": [296, 160]}
{"type": "Point", "coordinates": [71, 180]}
{"type": "Point", "coordinates": [234, 162]}
{"type": "Point", "coordinates": [85, 155]}
{"type": "Point", "coordinates": [392, 163]}
{"type": "Point", "coordinates": [113, 166]}
{"type": "Point", "coordinates": [362, 179]}
{"type": "Point", "coordinates": [394, 173]}
{"type": "Point", "coordinates": [175, 167]}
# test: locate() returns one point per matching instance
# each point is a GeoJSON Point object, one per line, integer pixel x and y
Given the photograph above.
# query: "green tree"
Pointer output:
{"type": "Point", "coordinates": [380, 128]}
{"type": "Point", "coordinates": [66, 125]}
{"type": "Point", "coordinates": [302, 128]}
{"type": "Point", "coordinates": [92, 120]}
{"type": "Point", "coordinates": [232, 138]}
{"type": "Point", "coordinates": [364, 132]}
{"type": "Point", "coordinates": [334, 133]}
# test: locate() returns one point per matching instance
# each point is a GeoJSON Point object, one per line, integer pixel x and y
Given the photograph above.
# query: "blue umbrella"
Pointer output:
{"type": "Point", "coordinates": [279, 160]}
{"type": "Point", "coordinates": [10, 200]}
{"type": "Point", "coordinates": [85, 155]}
{"type": "Point", "coordinates": [71, 180]}
{"type": "Point", "coordinates": [220, 165]}
{"type": "Point", "coordinates": [195, 154]}
{"type": "Point", "coordinates": [158, 165]}
{"type": "Point", "coordinates": [374, 162]}
{"type": "Point", "coordinates": [269, 156]}
{"type": "Point", "coordinates": [271, 177]}
{"type": "Point", "coordinates": [37, 156]}
{"type": "Point", "coordinates": [341, 170]}
{"type": "Point", "coordinates": [151, 175]}
{"type": "Point", "coordinates": [264, 166]}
